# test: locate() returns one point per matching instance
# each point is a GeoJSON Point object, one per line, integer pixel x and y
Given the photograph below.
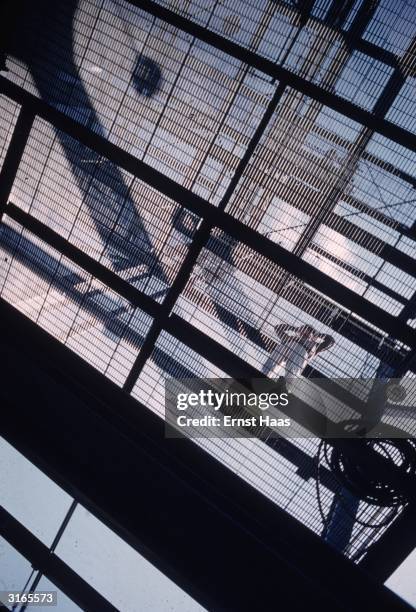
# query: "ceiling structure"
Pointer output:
{"type": "Point", "coordinates": [177, 178]}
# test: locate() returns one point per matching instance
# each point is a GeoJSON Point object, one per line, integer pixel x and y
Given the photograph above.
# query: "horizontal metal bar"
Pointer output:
{"type": "Point", "coordinates": [90, 265]}
{"type": "Point", "coordinates": [14, 153]}
{"type": "Point", "coordinates": [299, 268]}
{"type": "Point", "coordinates": [387, 553]}
{"type": "Point", "coordinates": [49, 564]}
{"type": "Point", "coordinates": [110, 457]}
{"type": "Point", "coordinates": [372, 243]}
{"type": "Point", "coordinates": [374, 51]}
{"type": "Point", "coordinates": [382, 126]}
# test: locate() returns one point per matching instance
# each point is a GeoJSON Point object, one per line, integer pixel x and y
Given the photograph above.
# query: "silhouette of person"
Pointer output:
{"type": "Point", "coordinates": [295, 349]}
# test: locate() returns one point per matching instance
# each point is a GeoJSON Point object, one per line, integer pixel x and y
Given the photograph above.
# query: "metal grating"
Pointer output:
{"type": "Point", "coordinates": [70, 304]}
{"type": "Point", "coordinates": [108, 247]}
{"type": "Point", "coordinates": [9, 111]}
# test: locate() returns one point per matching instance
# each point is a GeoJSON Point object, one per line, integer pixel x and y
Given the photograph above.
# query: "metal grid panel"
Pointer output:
{"type": "Point", "coordinates": [183, 107]}
{"type": "Point", "coordinates": [237, 297]}
{"type": "Point", "coordinates": [9, 112]}
{"type": "Point", "coordinates": [279, 476]}
{"type": "Point", "coordinates": [191, 111]}
{"type": "Point", "coordinates": [70, 304]}
{"type": "Point", "coordinates": [106, 212]}
{"type": "Point", "coordinates": [255, 25]}
{"type": "Point", "coordinates": [321, 52]}
{"type": "Point", "coordinates": [250, 459]}
{"type": "Point", "coordinates": [403, 109]}
{"type": "Point", "coordinates": [362, 80]}
{"type": "Point", "coordinates": [326, 189]}
{"type": "Point", "coordinates": [392, 26]}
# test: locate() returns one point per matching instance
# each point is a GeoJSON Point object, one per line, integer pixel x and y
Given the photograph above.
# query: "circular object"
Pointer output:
{"type": "Point", "coordinates": [147, 76]}
{"type": "Point", "coordinates": [396, 392]}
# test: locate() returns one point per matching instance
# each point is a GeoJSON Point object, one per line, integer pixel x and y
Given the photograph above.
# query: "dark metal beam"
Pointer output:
{"type": "Point", "coordinates": [221, 219]}
{"type": "Point", "coordinates": [388, 167]}
{"type": "Point", "coordinates": [207, 507]}
{"type": "Point", "coordinates": [371, 243]}
{"type": "Point", "coordinates": [382, 126]}
{"type": "Point", "coordinates": [47, 562]}
{"type": "Point", "coordinates": [363, 17]}
{"type": "Point", "coordinates": [378, 215]}
{"type": "Point", "coordinates": [387, 553]}
{"type": "Point", "coordinates": [199, 241]}
{"type": "Point", "coordinates": [90, 265]}
{"type": "Point", "coordinates": [382, 106]}
{"type": "Point", "coordinates": [361, 276]}
{"type": "Point", "coordinates": [352, 37]}
{"type": "Point", "coordinates": [13, 156]}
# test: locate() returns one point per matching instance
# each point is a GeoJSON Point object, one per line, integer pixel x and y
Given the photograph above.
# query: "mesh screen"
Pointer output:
{"type": "Point", "coordinates": [71, 305]}
{"type": "Point", "coordinates": [183, 107]}
{"type": "Point", "coordinates": [330, 190]}
{"type": "Point", "coordinates": [9, 111]}
{"type": "Point", "coordinates": [104, 211]}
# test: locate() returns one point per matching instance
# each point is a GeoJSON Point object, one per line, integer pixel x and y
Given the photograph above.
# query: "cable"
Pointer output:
{"type": "Point", "coordinates": [367, 485]}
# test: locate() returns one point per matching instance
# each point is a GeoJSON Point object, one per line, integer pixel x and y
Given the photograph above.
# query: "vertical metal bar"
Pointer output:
{"type": "Point", "coordinates": [51, 565]}
{"type": "Point", "coordinates": [199, 241]}
{"type": "Point", "coordinates": [14, 155]}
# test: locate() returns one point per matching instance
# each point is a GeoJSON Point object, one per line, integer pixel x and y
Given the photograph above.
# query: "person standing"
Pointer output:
{"type": "Point", "coordinates": [296, 347]}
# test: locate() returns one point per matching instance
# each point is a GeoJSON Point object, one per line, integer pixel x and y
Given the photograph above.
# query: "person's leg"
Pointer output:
{"type": "Point", "coordinates": [274, 359]}
{"type": "Point", "coordinates": [295, 364]}
{"type": "Point", "coordinates": [342, 519]}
